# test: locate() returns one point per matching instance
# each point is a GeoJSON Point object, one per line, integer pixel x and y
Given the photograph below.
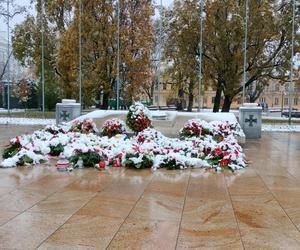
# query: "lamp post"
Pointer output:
{"type": "Point", "coordinates": [159, 55]}
{"type": "Point", "coordinates": [292, 63]}
{"type": "Point", "coordinates": [200, 54]}
{"type": "Point", "coordinates": [8, 57]}
{"type": "Point", "coordinates": [80, 55]}
{"type": "Point", "coordinates": [118, 56]}
{"type": "Point", "coordinates": [245, 49]}
{"type": "Point", "coordinates": [43, 61]}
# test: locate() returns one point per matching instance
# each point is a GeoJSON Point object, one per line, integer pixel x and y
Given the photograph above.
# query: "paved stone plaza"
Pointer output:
{"type": "Point", "coordinates": [255, 208]}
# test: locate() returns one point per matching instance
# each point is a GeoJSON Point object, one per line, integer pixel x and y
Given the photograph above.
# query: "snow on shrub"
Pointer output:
{"type": "Point", "coordinates": [85, 126]}
{"type": "Point", "coordinates": [138, 117]}
{"type": "Point", "coordinates": [113, 127]}
{"type": "Point", "coordinates": [196, 128]}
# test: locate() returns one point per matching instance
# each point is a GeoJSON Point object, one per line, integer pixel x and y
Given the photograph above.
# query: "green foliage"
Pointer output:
{"type": "Point", "coordinates": [56, 150]}
{"type": "Point", "coordinates": [146, 162]}
{"type": "Point", "coordinates": [24, 160]}
{"type": "Point", "coordinates": [90, 159]}
{"type": "Point", "coordinates": [11, 150]}
{"type": "Point", "coordinates": [171, 164]}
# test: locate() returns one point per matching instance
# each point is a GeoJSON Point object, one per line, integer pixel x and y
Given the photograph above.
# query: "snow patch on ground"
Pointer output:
{"type": "Point", "coordinates": [207, 116]}
{"type": "Point", "coordinates": [26, 121]}
{"type": "Point", "coordinates": [280, 128]}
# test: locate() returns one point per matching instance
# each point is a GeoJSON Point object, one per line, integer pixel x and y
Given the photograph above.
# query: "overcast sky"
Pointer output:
{"type": "Point", "coordinates": [20, 18]}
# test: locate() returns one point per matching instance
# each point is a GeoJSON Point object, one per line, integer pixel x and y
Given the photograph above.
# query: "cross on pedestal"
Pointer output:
{"type": "Point", "coordinates": [251, 120]}
{"type": "Point", "coordinates": [64, 115]}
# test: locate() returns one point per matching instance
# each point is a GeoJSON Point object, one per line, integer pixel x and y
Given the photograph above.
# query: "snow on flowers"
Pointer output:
{"type": "Point", "coordinates": [138, 117]}
{"type": "Point", "coordinates": [201, 145]}
{"type": "Point", "coordinates": [113, 127]}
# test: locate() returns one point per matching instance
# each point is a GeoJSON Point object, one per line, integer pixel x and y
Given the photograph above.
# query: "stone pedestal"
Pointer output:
{"type": "Point", "coordinates": [67, 111]}
{"type": "Point", "coordinates": [250, 120]}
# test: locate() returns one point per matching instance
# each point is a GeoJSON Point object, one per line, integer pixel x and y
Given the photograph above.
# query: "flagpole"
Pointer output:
{"type": "Point", "coordinates": [200, 54]}
{"type": "Point", "coordinates": [245, 49]}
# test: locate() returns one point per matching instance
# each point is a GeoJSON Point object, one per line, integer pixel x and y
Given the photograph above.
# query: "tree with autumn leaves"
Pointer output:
{"type": "Point", "coordinates": [268, 49]}
{"type": "Point", "coordinates": [99, 47]}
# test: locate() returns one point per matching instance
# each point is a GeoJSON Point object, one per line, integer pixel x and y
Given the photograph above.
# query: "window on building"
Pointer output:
{"type": "Point", "coordinates": [296, 101]}
{"type": "Point", "coordinates": [276, 101]}
{"type": "Point", "coordinates": [286, 86]}
{"type": "Point", "coordinates": [263, 99]}
{"type": "Point", "coordinates": [286, 101]}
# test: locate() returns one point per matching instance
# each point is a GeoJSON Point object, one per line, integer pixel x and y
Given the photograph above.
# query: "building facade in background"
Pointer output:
{"type": "Point", "coordinates": [274, 96]}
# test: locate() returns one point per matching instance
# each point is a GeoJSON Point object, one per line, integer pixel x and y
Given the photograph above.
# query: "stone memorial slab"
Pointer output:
{"type": "Point", "coordinates": [250, 120]}
{"type": "Point", "coordinates": [67, 111]}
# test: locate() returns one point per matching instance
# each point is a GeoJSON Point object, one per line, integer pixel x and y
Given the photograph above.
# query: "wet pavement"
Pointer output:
{"type": "Point", "coordinates": [256, 208]}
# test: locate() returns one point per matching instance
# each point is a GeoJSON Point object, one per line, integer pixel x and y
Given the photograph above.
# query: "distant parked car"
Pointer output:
{"type": "Point", "coordinates": [294, 113]}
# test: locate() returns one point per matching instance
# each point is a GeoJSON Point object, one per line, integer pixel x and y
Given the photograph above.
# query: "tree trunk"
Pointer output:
{"type": "Point", "coordinates": [179, 105]}
{"type": "Point", "coordinates": [105, 101]}
{"type": "Point", "coordinates": [191, 97]}
{"type": "Point", "coordinates": [227, 103]}
{"type": "Point", "coordinates": [218, 96]}
{"type": "Point", "coordinates": [191, 102]}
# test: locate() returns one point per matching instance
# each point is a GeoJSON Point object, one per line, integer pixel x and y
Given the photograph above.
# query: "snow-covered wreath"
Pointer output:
{"type": "Point", "coordinates": [201, 144]}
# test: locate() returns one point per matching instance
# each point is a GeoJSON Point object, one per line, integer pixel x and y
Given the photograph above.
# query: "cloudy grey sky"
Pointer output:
{"type": "Point", "coordinates": [20, 18]}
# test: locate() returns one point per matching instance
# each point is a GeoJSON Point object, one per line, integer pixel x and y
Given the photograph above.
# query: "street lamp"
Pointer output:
{"type": "Point", "coordinates": [43, 61]}
{"type": "Point", "coordinates": [292, 63]}
{"type": "Point", "coordinates": [80, 55]}
{"type": "Point", "coordinates": [159, 55]}
{"type": "Point", "coordinates": [118, 55]}
{"type": "Point", "coordinates": [8, 57]}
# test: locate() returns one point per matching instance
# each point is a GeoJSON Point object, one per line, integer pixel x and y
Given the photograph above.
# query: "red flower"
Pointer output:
{"type": "Point", "coordinates": [224, 162]}
{"type": "Point", "coordinates": [226, 153]}
{"type": "Point", "coordinates": [218, 151]}
{"type": "Point", "coordinates": [102, 164]}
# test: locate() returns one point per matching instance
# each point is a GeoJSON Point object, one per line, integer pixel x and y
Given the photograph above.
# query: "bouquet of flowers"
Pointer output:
{"type": "Point", "coordinates": [226, 155]}
{"type": "Point", "coordinates": [113, 127]}
{"type": "Point", "coordinates": [85, 126]}
{"type": "Point", "coordinates": [224, 129]}
{"type": "Point", "coordinates": [149, 135]}
{"type": "Point", "coordinates": [13, 148]}
{"type": "Point", "coordinates": [138, 117]}
{"type": "Point", "coordinates": [195, 128]}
